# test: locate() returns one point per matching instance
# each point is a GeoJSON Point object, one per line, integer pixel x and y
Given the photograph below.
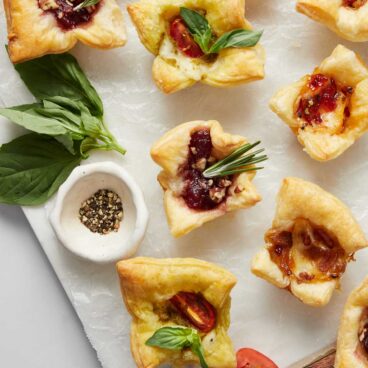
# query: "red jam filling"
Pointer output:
{"type": "Point", "coordinates": [199, 192]}
{"type": "Point", "coordinates": [321, 248]}
{"type": "Point", "coordinates": [355, 4]}
{"type": "Point", "coordinates": [320, 96]}
{"type": "Point", "coordinates": [65, 15]}
{"type": "Point", "coordinates": [183, 39]}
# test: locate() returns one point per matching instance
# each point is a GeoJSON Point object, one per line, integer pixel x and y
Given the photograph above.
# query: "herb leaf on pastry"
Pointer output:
{"type": "Point", "coordinates": [347, 18]}
{"type": "Point", "coordinates": [40, 27]}
{"type": "Point", "coordinates": [313, 237]}
{"type": "Point", "coordinates": [327, 110]}
{"type": "Point", "coordinates": [148, 287]}
{"type": "Point", "coordinates": [180, 48]}
{"type": "Point", "coordinates": [191, 199]}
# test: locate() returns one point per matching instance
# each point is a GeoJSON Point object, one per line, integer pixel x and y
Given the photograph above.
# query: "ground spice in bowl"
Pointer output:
{"type": "Point", "coordinates": [102, 213]}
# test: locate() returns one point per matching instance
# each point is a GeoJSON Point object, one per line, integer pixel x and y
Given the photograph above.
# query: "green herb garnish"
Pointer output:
{"type": "Point", "coordinates": [178, 338]}
{"type": "Point", "coordinates": [85, 4]}
{"type": "Point", "coordinates": [202, 33]}
{"type": "Point", "coordinates": [237, 162]}
{"type": "Point", "coordinates": [67, 123]}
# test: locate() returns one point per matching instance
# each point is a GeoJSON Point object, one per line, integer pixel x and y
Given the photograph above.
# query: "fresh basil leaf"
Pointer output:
{"type": "Point", "coordinates": [67, 141]}
{"type": "Point", "coordinates": [32, 168]}
{"type": "Point", "coordinates": [198, 26]}
{"type": "Point", "coordinates": [198, 350]}
{"type": "Point", "coordinates": [57, 112]}
{"type": "Point", "coordinates": [236, 38]}
{"type": "Point", "coordinates": [66, 102]}
{"type": "Point", "coordinates": [59, 75]}
{"type": "Point", "coordinates": [173, 338]}
{"type": "Point", "coordinates": [85, 4]}
{"type": "Point", "coordinates": [28, 117]}
{"type": "Point", "coordinates": [88, 144]}
{"type": "Point", "coordinates": [178, 338]}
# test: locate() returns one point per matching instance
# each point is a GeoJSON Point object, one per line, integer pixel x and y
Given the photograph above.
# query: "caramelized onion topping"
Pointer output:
{"type": "Point", "coordinates": [363, 332]}
{"type": "Point", "coordinates": [318, 246]}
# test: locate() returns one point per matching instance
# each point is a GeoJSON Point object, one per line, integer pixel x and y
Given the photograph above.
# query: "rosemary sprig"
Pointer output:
{"type": "Point", "coordinates": [85, 4]}
{"type": "Point", "coordinates": [237, 162]}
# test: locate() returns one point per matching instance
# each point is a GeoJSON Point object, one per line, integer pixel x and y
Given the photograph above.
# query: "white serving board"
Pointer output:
{"type": "Point", "coordinates": [263, 317]}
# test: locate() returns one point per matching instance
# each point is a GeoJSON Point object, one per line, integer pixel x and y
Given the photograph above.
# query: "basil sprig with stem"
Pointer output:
{"type": "Point", "coordinates": [237, 162]}
{"type": "Point", "coordinates": [66, 124]}
{"type": "Point", "coordinates": [178, 338]}
{"type": "Point", "coordinates": [203, 35]}
{"type": "Point", "coordinates": [85, 4]}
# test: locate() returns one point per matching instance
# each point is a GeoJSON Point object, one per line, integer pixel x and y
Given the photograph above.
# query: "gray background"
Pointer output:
{"type": "Point", "coordinates": [38, 326]}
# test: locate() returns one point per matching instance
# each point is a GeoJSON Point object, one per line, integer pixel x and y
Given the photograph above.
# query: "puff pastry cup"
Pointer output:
{"type": "Point", "coordinates": [313, 237]}
{"type": "Point", "coordinates": [147, 284]}
{"type": "Point", "coordinates": [173, 71]}
{"type": "Point", "coordinates": [352, 341]}
{"type": "Point", "coordinates": [35, 28]}
{"type": "Point", "coordinates": [328, 110]}
{"type": "Point", "coordinates": [171, 152]}
{"type": "Point", "coordinates": [347, 18]}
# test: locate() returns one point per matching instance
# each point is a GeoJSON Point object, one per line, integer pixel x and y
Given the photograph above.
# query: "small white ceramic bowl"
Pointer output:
{"type": "Point", "coordinates": [83, 182]}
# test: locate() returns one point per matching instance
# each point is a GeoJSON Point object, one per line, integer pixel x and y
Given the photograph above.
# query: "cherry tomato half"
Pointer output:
{"type": "Point", "coordinates": [196, 309]}
{"type": "Point", "coordinates": [249, 358]}
{"type": "Point", "coordinates": [183, 39]}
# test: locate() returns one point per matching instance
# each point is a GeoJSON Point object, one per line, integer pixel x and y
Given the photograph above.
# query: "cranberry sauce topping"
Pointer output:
{"type": "Point", "coordinates": [183, 39]}
{"type": "Point", "coordinates": [321, 95]}
{"type": "Point", "coordinates": [325, 251]}
{"type": "Point", "coordinates": [355, 4]}
{"type": "Point", "coordinates": [281, 241]}
{"type": "Point", "coordinates": [200, 193]}
{"type": "Point", "coordinates": [66, 17]}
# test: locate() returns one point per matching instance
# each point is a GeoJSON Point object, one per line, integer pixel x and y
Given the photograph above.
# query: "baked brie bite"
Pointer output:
{"type": "Point", "coordinates": [352, 341]}
{"type": "Point", "coordinates": [40, 27]}
{"type": "Point", "coordinates": [347, 18]}
{"type": "Point", "coordinates": [312, 239]}
{"type": "Point", "coordinates": [190, 198]}
{"type": "Point", "coordinates": [179, 60]}
{"type": "Point", "coordinates": [181, 292]}
{"type": "Point", "coordinates": [328, 109]}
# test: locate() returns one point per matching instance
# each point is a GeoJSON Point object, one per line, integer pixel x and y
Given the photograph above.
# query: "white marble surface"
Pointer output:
{"type": "Point", "coordinates": [39, 327]}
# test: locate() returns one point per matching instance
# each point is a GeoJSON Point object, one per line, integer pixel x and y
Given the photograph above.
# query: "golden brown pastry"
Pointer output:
{"type": "Point", "coordinates": [352, 341]}
{"type": "Point", "coordinates": [313, 237]}
{"type": "Point", "coordinates": [190, 199]}
{"type": "Point", "coordinates": [173, 71]}
{"type": "Point", "coordinates": [328, 110]}
{"type": "Point", "coordinates": [158, 291]}
{"type": "Point", "coordinates": [39, 27]}
{"type": "Point", "coordinates": [348, 18]}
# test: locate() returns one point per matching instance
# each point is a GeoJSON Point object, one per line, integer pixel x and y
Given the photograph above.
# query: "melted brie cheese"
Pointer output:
{"type": "Point", "coordinates": [193, 68]}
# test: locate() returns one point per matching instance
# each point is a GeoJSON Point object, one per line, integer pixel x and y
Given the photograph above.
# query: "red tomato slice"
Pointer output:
{"type": "Point", "coordinates": [249, 358]}
{"type": "Point", "coordinates": [183, 39]}
{"type": "Point", "coordinates": [196, 309]}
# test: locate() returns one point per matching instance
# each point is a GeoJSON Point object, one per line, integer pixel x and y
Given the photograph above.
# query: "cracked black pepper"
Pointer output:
{"type": "Point", "coordinates": [103, 212]}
